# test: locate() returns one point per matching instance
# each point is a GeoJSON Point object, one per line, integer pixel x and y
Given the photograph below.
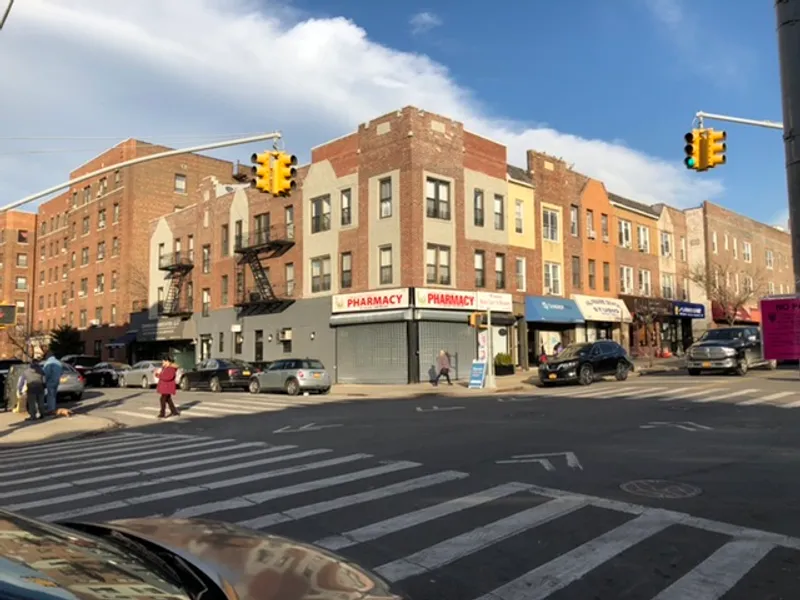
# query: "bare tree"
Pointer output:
{"type": "Point", "coordinates": [28, 343]}
{"type": "Point", "coordinates": [729, 286]}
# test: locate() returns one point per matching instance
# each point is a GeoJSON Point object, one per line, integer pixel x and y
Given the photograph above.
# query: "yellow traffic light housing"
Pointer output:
{"type": "Point", "coordinates": [694, 150]}
{"type": "Point", "coordinates": [283, 174]}
{"type": "Point", "coordinates": [476, 320]}
{"type": "Point", "coordinates": [262, 174]}
{"type": "Point", "coordinates": [715, 148]}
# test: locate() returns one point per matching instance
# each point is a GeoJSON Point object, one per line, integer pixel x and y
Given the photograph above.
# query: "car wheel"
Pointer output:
{"type": "Point", "coordinates": [145, 383]}
{"type": "Point", "coordinates": [586, 376]}
{"type": "Point", "coordinates": [254, 387]}
{"type": "Point", "coordinates": [184, 384]}
{"type": "Point", "coordinates": [742, 368]}
{"type": "Point", "coordinates": [622, 371]}
{"type": "Point", "coordinates": [104, 381]}
{"type": "Point", "coordinates": [694, 372]}
{"type": "Point", "coordinates": [325, 391]}
{"type": "Point", "coordinates": [292, 387]}
{"type": "Point", "coordinates": [215, 385]}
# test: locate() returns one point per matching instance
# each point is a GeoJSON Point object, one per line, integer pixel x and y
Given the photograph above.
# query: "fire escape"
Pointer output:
{"type": "Point", "coordinates": [178, 267]}
{"type": "Point", "coordinates": [252, 249]}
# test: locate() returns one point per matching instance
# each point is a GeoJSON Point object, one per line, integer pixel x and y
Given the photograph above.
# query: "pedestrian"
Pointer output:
{"type": "Point", "coordinates": [53, 369]}
{"type": "Point", "coordinates": [167, 387]}
{"type": "Point", "coordinates": [442, 368]}
{"type": "Point", "coordinates": [31, 385]}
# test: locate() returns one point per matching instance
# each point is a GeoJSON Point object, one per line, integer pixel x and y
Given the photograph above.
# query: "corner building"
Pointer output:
{"type": "Point", "coordinates": [394, 235]}
{"type": "Point", "coordinates": [17, 252]}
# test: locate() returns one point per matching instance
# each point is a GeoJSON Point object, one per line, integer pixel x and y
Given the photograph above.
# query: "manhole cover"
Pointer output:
{"type": "Point", "coordinates": [661, 489]}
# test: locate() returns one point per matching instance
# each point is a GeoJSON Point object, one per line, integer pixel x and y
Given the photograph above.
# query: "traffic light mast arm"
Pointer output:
{"type": "Point", "coordinates": [700, 116]}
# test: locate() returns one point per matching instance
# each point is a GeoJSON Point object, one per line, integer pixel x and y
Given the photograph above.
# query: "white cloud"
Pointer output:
{"type": "Point", "coordinates": [160, 68]}
{"type": "Point", "coordinates": [423, 22]}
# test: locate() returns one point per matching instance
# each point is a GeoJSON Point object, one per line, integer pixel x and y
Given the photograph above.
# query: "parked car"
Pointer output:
{"type": "Point", "coordinates": [178, 559]}
{"type": "Point", "coordinates": [106, 374]}
{"type": "Point", "coordinates": [142, 374]}
{"type": "Point", "coordinates": [586, 362]}
{"type": "Point", "coordinates": [731, 349]}
{"type": "Point", "coordinates": [81, 362]}
{"type": "Point", "coordinates": [71, 386]}
{"type": "Point", "coordinates": [217, 374]}
{"type": "Point", "coordinates": [293, 376]}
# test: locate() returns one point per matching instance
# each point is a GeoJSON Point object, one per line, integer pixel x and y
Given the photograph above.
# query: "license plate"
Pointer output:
{"type": "Point", "coordinates": [706, 364]}
{"type": "Point", "coordinates": [245, 373]}
{"type": "Point", "coordinates": [317, 375]}
{"type": "Point", "coordinates": [64, 379]}
{"type": "Point", "coordinates": [553, 376]}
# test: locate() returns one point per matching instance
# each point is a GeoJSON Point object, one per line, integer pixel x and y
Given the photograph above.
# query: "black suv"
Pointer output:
{"type": "Point", "coordinates": [586, 362]}
{"type": "Point", "coordinates": [731, 349]}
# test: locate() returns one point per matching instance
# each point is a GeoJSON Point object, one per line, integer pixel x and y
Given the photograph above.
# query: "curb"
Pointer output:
{"type": "Point", "coordinates": [111, 426]}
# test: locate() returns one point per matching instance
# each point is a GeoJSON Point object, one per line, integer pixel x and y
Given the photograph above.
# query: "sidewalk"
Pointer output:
{"type": "Point", "coordinates": [16, 431]}
{"type": "Point", "coordinates": [519, 381]}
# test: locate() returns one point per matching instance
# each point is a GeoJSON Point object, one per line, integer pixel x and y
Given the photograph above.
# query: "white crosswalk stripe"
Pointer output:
{"type": "Point", "coordinates": [424, 521]}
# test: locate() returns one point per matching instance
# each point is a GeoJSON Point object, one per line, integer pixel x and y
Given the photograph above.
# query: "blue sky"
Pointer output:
{"type": "Point", "coordinates": [611, 86]}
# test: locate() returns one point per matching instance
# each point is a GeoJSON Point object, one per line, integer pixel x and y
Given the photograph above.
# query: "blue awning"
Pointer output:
{"type": "Point", "coordinates": [547, 309]}
{"type": "Point", "coordinates": [688, 310]}
{"type": "Point", "coordinates": [123, 341]}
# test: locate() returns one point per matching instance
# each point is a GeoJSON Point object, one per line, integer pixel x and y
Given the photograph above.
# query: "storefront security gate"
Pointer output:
{"type": "Point", "coordinates": [374, 353]}
{"type": "Point", "coordinates": [457, 339]}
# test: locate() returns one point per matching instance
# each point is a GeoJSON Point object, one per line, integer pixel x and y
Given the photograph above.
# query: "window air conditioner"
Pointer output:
{"type": "Point", "coordinates": [285, 335]}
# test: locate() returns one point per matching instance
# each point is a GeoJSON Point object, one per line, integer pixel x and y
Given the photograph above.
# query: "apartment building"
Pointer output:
{"type": "Point", "coordinates": [93, 241]}
{"type": "Point", "coordinates": [17, 251]}
{"type": "Point", "coordinates": [738, 259]}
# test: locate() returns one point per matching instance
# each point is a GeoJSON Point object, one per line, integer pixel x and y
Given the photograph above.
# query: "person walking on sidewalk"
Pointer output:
{"type": "Point", "coordinates": [31, 385]}
{"type": "Point", "coordinates": [53, 369]}
{"type": "Point", "coordinates": [442, 368]}
{"type": "Point", "coordinates": [167, 387]}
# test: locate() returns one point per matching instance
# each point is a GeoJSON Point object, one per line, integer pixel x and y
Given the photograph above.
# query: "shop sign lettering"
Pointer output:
{"type": "Point", "coordinates": [443, 299]}
{"type": "Point", "coordinates": [378, 300]}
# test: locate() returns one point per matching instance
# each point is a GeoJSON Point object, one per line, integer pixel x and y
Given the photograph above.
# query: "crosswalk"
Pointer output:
{"type": "Point", "coordinates": [700, 393]}
{"type": "Point", "coordinates": [434, 533]}
{"type": "Point", "coordinates": [146, 408]}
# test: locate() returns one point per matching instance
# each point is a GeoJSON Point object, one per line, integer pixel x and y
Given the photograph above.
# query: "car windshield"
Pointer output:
{"type": "Point", "coordinates": [722, 334]}
{"type": "Point", "coordinates": [313, 364]}
{"type": "Point", "coordinates": [574, 350]}
{"type": "Point", "coordinates": [233, 363]}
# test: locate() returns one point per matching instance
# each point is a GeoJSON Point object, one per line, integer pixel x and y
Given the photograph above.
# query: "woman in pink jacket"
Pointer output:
{"type": "Point", "coordinates": [167, 387]}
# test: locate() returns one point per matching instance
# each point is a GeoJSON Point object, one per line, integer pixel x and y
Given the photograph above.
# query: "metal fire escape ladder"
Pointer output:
{"type": "Point", "coordinates": [173, 299]}
{"type": "Point", "coordinates": [263, 287]}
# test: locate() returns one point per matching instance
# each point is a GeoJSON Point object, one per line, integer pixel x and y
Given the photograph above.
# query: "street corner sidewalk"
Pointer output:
{"type": "Point", "coordinates": [16, 431]}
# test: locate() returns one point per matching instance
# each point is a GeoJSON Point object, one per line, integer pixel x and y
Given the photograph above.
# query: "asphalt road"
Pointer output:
{"type": "Point", "coordinates": [664, 487]}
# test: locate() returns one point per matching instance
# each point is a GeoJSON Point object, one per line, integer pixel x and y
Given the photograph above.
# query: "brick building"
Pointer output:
{"type": "Point", "coordinates": [93, 240]}
{"type": "Point", "coordinates": [17, 231]}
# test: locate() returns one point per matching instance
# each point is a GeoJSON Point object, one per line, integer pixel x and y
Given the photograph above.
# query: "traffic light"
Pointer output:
{"type": "Point", "coordinates": [694, 151]}
{"type": "Point", "coordinates": [715, 148]}
{"type": "Point", "coordinates": [261, 173]}
{"type": "Point", "coordinates": [476, 320]}
{"type": "Point", "coordinates": [283, 174]}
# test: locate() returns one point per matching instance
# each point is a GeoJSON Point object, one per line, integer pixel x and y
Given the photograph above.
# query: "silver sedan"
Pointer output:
{"type": "Point", "coordinates": [142, 374]}
{"type": "Point", "coordinates": [293, 376]}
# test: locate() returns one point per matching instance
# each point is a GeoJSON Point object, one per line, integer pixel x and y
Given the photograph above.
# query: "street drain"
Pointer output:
{"type": "Point", "coordinates": [661, 489]}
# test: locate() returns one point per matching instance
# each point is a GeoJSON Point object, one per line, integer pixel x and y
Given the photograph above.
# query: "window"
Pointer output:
{"type": "Point", "coordinates": [735, 248]}
{"type": "Point", "coordinates": [98, 314]}
{"type": "Point", "coordinates": [714, 247]}
{"type": "Point", "coordinates": [73, 229]}
{"type": "Point", "coordinates": [100, 282]}
{"type": "Point", "coordinates": [238, 228]}
{"type": "Point", "coordinates": [84, 289]}
{"type": "Point", "coordinates": [206, 296]}
{"type": "Point", "coordinates": [22, 260]}
{"type": "Point", "coordinates": [190, 243]}
{"type": "Point", "coordinates": [645, 282]}
{"type": "Point", "coordinates": [683, 249]}
{"type": "Point", "coordinates": [385, 197]}
{"type": "Point", "coordinates": [643, 235]}
{"type": "Point", "coordinates": [103, 186]}
{"type": "Point", "coordinates": [101, 251]}
{"type": "Point", "coordinates": [288, 277]}
{"type": "Point", "coordinates": [86, 224]}
{"type": "Point", "coordinates": [437, 199]}
{"type": "Point", "coordinates": [115, 246]}
{"type": "Point", "coordinates": [190, 296]}
{"type": "Point", "coordinates": [101, 219]}
{"type": "Point", "coordinates": [480, 269]}
{"type": "Point", "coordinates": [550, 225]}
{"type": "Point", "coordinates": [41, 302]}
{"type": "Point", "coordinates": [87, 194]}
{"type": "Point", "coordinates": [321, 274]}
{"type": "Point", "coordinates": [207, 258]}
{"type": "Point", "coordinates": [114, 277]}
{"type": "Point", "coordinates": [71, 290]}
{"type": "Point", "coordinates": [346, 270]}
{"type": "Point", "coordinates": [288, 218]}
{"type": "Point", "coordinates": [385, 265]}
{"type": "Point", "coordinates": [604, 227]}
{"type": "Point", "coordinates": [82, 318]}
{"type": "Point", "coordinates": [770, 260]}
{"type": "Point", "coordinates": [478, 208]}
{"type": "Point", "coordinates": [521, 284]}
{"type": "Point", "coordinates": [240, 284]}
{"type": "Point", "coordinates": [685, 289]}
{"type": "Point", "coordinates": [499, 212]}
{"type": "Point", "coordinates": [626, 279]}
{"type": "Point", "coordinates": [221, 342]}
{"type": "Point", "coordinates": [238, 342]}
{"type": "Point", "coordinates": [747, 252]}
{"type": "Point", "coordinates": [21, 283]}
{"type": "Point", "coordinates": [320, 214]}
{"type": "Point", "coordinates": [625, 236]}
{"type": "Point", "coordinates": [223, 291]}
{"type": "Point", "coordinates": [437, 265]}
{"type": "Point", "coordinates": [259, 344]}
{"type": "Point", "coordinates": [519, 212]}
{"type": "Point", "coordinates": [346, 201]}
{"type": "Point", "coordinates": [500, 271]}
{"type": "Point", "coordinates": [576, 272]}
{"type": "Point", "coordinates": [22, 236]}
{"type": "Point", "coordinates": [180, 183]}
{"type": "Point", "coordinates": [666, 244]}
{"type": "Point", "coordinates": [748, 284]}
{"type": "Point", "coordinates": [43, 252]}
{"type": "Point", "coordinates": [770, 288]}
{"type": "Point", "coordinates": [115, 213]}
{"type": "Point", "coordinates": [573, 220]}
{"type": "Point", "coordinates": [590, 232]}
{"type": "Point", "coordinates": [667, 285]}
{"type": "Point", "coordinates": [225, 240]}
{"type": "Point", "coordinates": [552, 278]}
{"type": "Point", "coordinates": [591, 272]}
{"type": "Point", "coordinates": [41, 277]}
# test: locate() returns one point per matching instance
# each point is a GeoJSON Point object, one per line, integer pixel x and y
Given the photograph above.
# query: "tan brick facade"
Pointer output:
{"type": "Point", "coordinates": [17, 255]}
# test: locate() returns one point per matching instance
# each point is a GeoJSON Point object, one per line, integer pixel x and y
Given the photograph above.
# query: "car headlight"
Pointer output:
{"type": "Point", "coordinates": [729, 351]}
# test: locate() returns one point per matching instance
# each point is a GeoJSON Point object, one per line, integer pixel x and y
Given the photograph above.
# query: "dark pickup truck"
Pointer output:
{"type": "Point", "coordinates": [732, 349]}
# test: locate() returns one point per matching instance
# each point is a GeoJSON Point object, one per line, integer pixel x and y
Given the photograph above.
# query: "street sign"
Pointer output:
{"type": "Point", "coordinates": [477, 375]}
{"type": "Point", "coordinates": [544, 460]}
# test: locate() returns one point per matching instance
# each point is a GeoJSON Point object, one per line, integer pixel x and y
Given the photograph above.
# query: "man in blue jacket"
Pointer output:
{"type": "Point", "coordinates": [52, 377]}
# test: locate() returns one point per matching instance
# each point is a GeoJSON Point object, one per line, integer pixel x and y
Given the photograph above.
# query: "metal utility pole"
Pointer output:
{"type": "Point", "coordinates": [6, 13]}
{"type": "Point", "coordinates": [787, 13]}
{"type": "Point", "coordinates": [700, 116]}
{"type": "Point", "coordinates": [136, 161]}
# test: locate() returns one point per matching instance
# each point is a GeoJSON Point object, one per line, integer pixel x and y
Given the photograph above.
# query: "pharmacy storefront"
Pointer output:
{"type": "Point", "coordinates": [372, 336]}
{"type": "Point", "coordinates": [606, 319]}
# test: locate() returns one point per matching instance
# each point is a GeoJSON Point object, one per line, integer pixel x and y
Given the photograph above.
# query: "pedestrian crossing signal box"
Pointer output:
{"type": "Point", "coordinates": [8, 315]}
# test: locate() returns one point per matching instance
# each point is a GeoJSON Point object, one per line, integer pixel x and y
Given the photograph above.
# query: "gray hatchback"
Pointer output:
{"type": "Point", "coordinates": [293, 376]}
